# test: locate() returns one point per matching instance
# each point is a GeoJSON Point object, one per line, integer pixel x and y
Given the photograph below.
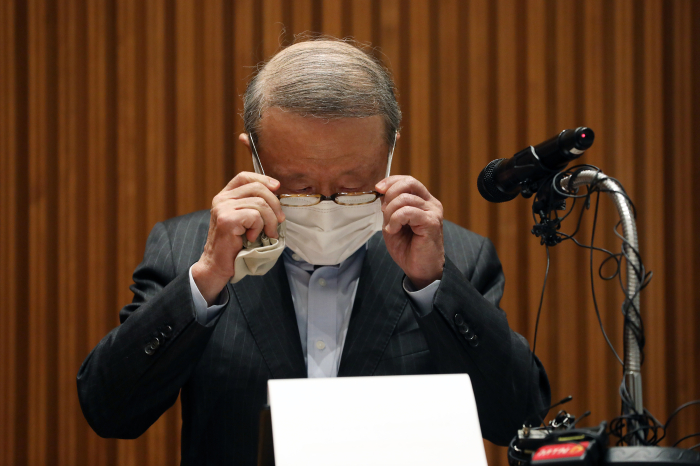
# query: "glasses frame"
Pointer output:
{"type": "Point", "coordinates": [259, 168]}
{"type": "Point", "coordinates": [332, 197]}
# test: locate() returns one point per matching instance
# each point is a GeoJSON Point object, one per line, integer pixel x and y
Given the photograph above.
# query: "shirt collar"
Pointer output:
{"type": "Point", "coordinates": [358, 255]}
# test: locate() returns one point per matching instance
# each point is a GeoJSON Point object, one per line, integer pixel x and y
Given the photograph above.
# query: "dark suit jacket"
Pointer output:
{"type": "Point", "coordinates": [221, 371]}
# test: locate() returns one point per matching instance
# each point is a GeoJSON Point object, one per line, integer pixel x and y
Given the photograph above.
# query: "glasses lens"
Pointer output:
{"type": "Point", "coordinates": [299, 200]}
{"type": "Point", "coordinates": [355, 198]}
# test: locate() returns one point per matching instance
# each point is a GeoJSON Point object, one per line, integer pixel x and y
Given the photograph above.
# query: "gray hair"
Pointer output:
{"type": "Point", "coordinates": [323, 78]}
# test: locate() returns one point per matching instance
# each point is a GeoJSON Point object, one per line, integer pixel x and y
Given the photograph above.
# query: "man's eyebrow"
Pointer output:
{"type": "Point", "coordinates": [353, 172]}
{"type": "Point", "coordinates": [296, 176]}
{"type": "Point", "coordinates": [301, 176]}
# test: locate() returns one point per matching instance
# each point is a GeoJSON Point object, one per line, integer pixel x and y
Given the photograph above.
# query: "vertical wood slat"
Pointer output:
{"type": "Point", "coordinates": [149, 94]}
{"type": "Point", "coordinates": [302, 16]}
{"type": "Point", "coordinates": [418, 137]}
{"type": "Point", "coordinates": [390, 43]}
{"type": "Point", "coordinates": [68, 245]}
{"type": "Point", "coordinates": [362, 21]}
{"type": "Point", "coordinates": [211, 114]}
{"type": "Point", "coordinates": [695, 319]}
{"type": "Point", "coordinates": [332, 17]}
{"type": "Point", "coordinates": [272, 26]}
{"type": "Point", "coordinates": [156, 132]}
{"type": "Point", "coordinates": [449, 142]}
{"type": "Point", "coordinates": [8, 264]}
{"type": "Point", "coordinates": [682, 232]}
{"type": "Point", "coordinates": [38, 259]}
{"type": "Point", "coordinates": [245, 57]}
{"type": "Point", "coordinates": [186, 110]}
{"type": "Point", "coordinates": [479, 117]}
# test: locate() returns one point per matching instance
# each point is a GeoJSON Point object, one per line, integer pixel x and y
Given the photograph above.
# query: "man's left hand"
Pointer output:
{"type": "Point", "coordinates": [413, 228]}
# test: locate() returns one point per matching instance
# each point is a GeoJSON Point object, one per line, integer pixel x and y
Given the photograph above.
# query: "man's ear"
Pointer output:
{"type": "Point", "coordinates": [243, 138]}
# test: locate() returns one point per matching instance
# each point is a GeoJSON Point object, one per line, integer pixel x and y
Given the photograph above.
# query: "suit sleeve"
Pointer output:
{"type": "Point", "coordinates": [467, 332]}
{"type": "Point", "coordinates": [135, 373]}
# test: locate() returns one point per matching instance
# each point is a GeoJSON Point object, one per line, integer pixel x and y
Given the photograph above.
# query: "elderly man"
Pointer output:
{"type": "Point", "coordinates": [207, 322]}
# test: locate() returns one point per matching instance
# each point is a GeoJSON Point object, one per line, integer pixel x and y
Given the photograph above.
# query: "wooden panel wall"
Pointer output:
{"type": "Point", "coordinates": [116, 114]}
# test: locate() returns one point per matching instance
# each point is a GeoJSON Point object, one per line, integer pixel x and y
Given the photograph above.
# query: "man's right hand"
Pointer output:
{"type": "Point", "coordinates": [246, 206]}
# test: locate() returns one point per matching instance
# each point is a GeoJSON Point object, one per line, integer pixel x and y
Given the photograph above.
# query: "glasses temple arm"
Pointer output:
{"type": "Point", "coordinates": [256, 159]}
{"type": "Point", "coordinates": [391, 156]}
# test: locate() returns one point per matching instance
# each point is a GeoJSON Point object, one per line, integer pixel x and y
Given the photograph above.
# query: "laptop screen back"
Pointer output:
{"type": "Point", "coordinates": [400, 420]}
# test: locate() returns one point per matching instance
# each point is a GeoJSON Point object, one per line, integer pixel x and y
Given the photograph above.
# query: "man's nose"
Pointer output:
{"type": "Point", "coordinates": [326, 190]}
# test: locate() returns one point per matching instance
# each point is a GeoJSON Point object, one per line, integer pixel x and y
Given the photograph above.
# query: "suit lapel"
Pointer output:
{"type": "Point", "coordinates": [267, 305]}
{"type": "Point", "coordinates": [379, 302]}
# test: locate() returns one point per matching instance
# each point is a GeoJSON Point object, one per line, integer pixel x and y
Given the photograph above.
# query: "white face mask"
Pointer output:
{"type": "Point", "coordinates": [328, 233]}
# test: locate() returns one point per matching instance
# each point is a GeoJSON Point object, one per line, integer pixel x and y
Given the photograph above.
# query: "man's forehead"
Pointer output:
{"type": "Point", "coordinates": [355, 160]}
{"type": "Point", "coordinates": [304, 171]}
{"type": "Point", "coordinates": [284, 127]}
{"type": "Point", "coordinates": [279, 119]}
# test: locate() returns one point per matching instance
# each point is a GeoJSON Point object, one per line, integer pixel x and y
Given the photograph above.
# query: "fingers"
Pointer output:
{"type": "Point", "coordinates": [238, 222]}
{"type": "Point", "coordinates": [248, 222]}
{"type": "Point", "coordinates": [408, 202]}
{"type": "Point", "coordinates": [395, 185]}
{"type": "Point", "coordinates": [253, 191]}
{"type": "Point", "coordinates": [248, 177]}
{"type": "Point", "coordinates": [258, 190]}
{"type": "Point", "coordinates": [420, 221]}
{"type": "Point", "coordinates": [254, 205]}
{"type": "Point", "coordinates": [403, 200]}
{"type": "Point", "coordinates": [253, 224]}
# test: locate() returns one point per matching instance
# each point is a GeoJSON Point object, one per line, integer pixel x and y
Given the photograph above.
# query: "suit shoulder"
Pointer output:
{"type": "Point", "coordinates": [456, 232]}
{"type": "Point", "coordinates": [193, 219]}
{"type": "Point", "coordinates": [463, 246]}
{"type": "Point", "coordinates": [187, 235]}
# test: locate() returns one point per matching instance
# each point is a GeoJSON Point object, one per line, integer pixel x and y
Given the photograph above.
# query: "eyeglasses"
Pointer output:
{"type": "Point", "coordinates": [305, 200]}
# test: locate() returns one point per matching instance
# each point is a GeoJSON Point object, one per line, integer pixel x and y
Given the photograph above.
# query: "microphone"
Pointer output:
{"type": "Point", "coordinates": [503, 179]}
{"type": "Point", "coordinates": [560, 402]}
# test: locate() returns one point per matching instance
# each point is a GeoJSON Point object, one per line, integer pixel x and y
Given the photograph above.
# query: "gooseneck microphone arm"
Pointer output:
{"type": "Point", "coordinates": [632, 352]}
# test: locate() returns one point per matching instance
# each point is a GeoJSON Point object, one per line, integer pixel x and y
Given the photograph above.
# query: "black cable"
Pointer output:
{"type": "Point", "coordinates": [592, 248]}
{"type": "Point", "coordinates": [678, 410]}
{"type": "Point", "coordinates": [642, 277]}
{"type": "Point", "coordinates": [583, 416]}
{"type": "Point", "coordinates": [686, 438]}
{"type": "Point", "coordinates": [539, 309]}
{"type": "Point", "coordinates": [595, 299]}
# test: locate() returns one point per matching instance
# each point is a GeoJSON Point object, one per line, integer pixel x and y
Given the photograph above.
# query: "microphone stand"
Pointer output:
{"type": "Point", "coordinates": [636, 453]}
{"type": "Point", "coordinates": [632, 353]}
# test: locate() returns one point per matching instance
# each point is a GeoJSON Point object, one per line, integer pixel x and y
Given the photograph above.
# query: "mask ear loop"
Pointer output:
{"type": "Point", "coordinates": [391, 156]}
{"type": "Point", "coordinates": [257, 166]}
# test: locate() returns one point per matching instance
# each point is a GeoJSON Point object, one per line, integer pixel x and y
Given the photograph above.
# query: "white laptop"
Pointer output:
{"type": "Point", "coordinates": [401, 420]}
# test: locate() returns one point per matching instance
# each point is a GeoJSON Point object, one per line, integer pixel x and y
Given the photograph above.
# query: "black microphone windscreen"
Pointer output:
{"type": "Point", "coordinates": [486, 182]}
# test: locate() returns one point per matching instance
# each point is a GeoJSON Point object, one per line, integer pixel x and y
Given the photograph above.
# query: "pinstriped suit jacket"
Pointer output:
{"type": "Point", "coordinates": [222, 370]}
